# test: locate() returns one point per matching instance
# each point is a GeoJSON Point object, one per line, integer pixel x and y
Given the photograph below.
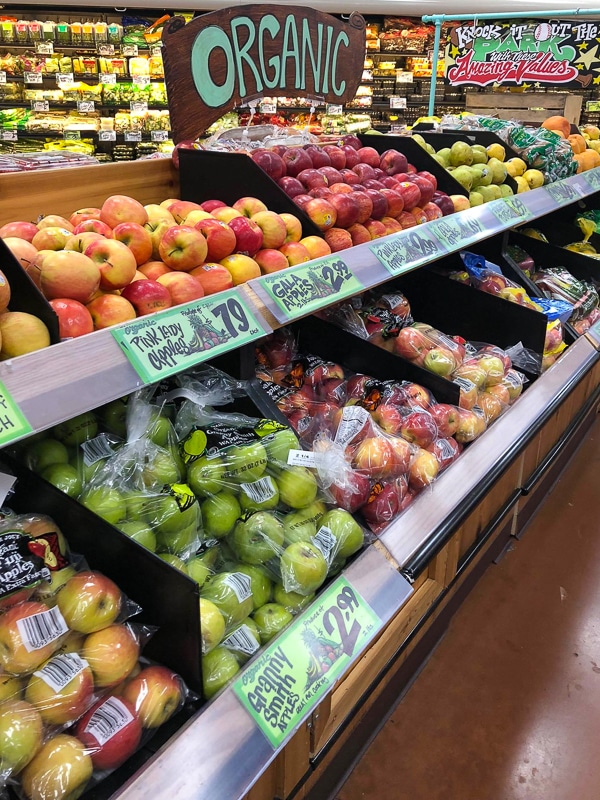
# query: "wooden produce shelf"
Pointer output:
{"type": "Point", "coordinates": [530, 108]}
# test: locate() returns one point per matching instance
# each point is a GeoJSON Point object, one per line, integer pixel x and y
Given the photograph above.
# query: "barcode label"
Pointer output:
{"type": "Point", "coordinates": [464, 384]}
{"type": "Point", "coordinates": [325, 541]}
{"type": "Point", "coordinates": [240, 584]}
{"type": "Point", "coordinates": [353, 421]}
{"type": "Point", "coordinates": [60, 670]}
{"type": "Point", "coordinates": [302, 458]}
{"type": "Point", "coordinates": [242, 640]}
{"type": "Point", "coordinates": [38, 630]}
{"type": "Point", "coordinates": [108, 720]}
{"type": "Point", "coordinates": [102, 446]}
{"type": "Point", "coordinates": [261, 490]}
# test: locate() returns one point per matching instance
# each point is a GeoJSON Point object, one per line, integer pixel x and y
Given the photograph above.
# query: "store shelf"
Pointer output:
{"type": "Point", "coordinates": [86, 77]}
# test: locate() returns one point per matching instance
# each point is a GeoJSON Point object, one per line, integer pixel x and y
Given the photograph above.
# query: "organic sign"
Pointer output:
{"type": "Point", "coordinates": [230, 57]}
{"type": "Point", "coordinates": [288, 679]}
{"type": "Point", "coordinates": [523, 53]}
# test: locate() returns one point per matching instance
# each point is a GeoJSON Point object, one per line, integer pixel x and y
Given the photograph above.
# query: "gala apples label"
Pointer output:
{"type": "Point", "coordinates": [306, 288]}
{"type": "Point", "coordinates": [288, 679]}
{"type": "Point", "coordinates": [13, 424]}
{"type": "Point", "coordinates": [407, 250]}
{"type": "Point", "coordinates": [179, 338]}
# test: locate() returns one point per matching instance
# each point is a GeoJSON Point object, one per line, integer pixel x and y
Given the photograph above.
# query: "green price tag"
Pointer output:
{"type": "Point", "coordinates": [592, 178]}
{"type": "Point", "coordinates": [594, 335]}
{"type": "Point", "coordinates": [457, 230]}
{"type": "Point", "coordinates": [13, 424]}
{"type": "Point", "coordinates": [307, 287]}
{"type": "Point", "coordinates": [178, 338]}
{"type": "Point", "coordinates": [510, 210]}
{"type": "Point", "coordinates": [289, 678]}
{"type": "Point", "coordinates": [405, 251]}
{"type": "Point", "coordinates": [563, 192]}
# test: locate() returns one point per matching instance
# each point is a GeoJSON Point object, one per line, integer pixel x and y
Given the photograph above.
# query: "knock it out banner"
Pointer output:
{"type": "Point", "coordinates": [561, 53]}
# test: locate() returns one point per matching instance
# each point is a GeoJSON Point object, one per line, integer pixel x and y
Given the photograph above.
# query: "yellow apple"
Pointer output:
{"type": "Point", "coordinates": [59, 771]}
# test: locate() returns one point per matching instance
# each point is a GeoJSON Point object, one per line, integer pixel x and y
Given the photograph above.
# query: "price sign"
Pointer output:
{"type": "Point", "coordinates": [288, 679]}
{"type": "Point", "coordinates": [2, 76]}
{"type": "Point", "coordinates": [44, 48]}
{"type": "Point", "coordinates": [407, 250]}
{"type": "Point", "coordinates": [129, 49]}
{"type": "Point", "coordinates": [333, 110]}
{"type": "Point", "coordinates": [32, 77]}
{"type": "Point", "coordinates": [307, 287]}
{"type": "Point", "coordinates": [397, 102]}
{"type": "Point", "coordinates": [159, 136]}
{"type": "Point", "coordinates": [13, 423]}
{"type": "Point", "coordinates": [64, 79]}
{"type": "Point", "coordinates": [457, 230]}
{"type": "Point", "coordinates": [268, 108]}
{"type": "Point", "coordinates": [594, 335]}
{"type": "Point", "coordinates": [106, 49]}
{"type": "Point", "coordinates": [141, 80]}
{"type": "Point", "coordinates": [510, 210]}
{"type": "Point", "coordinates": [9, 136]}
{"type": "Point", "coordinates": [72, 135]}
{"type": "Point", "coordinates": [108, 78]}
{"type": "Point", "coordinates": [86, 106]}
{"type": "Point", "coordinates": [138, 106]}
{"type": "Point", "coordinates": [40, 105]}
{"type": "Point", "coordinates": [404, 77]}
{"type": "Point", "coordinates": [133, 136]}
{"type": "Point", "coordinates": [156, 49]}
{"type": "Point", "coordinates": [563, 192]}
{"type": "Point", "coordinates": [107, 136]}
{"type": "Point", "coordinates": [179, 338]}
{"type": "Point", "coordinates": [592, 178]}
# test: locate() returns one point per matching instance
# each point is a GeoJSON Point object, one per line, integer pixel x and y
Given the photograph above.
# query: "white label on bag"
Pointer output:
{"type": "Point", "coordinates": [39, 630]}
{"type": "Point", "coordinates": [107, 720]}
{"type": "Point", "coordinates": [302, 458]}
{"type": "Point", "coordinates": [261, 490]}
{"type": "Point", "coordinates": [325, 541]}
{"type": "Point", "coordinates": [353, 421]}
{"type": "Point", "coordinates": [240, 584]}
{"type": "Point", "coordinates": [242, 640]}
{"type": "Point", "coordinates": [100, 447]}
{"type": "Point", "coordinates": [60, 670]}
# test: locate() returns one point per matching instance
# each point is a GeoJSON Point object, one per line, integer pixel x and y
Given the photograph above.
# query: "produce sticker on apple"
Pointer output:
{"type": "Point", "coordinates": [284, 684]}
{"type": "Point", "coordinates": [407, 250]}
{"type": "Point", "coordinates": [176, 339]}
{"type": "Point", "coordinates": [13, 424]}
{"type": "Point", "coordinates": [295, 292]}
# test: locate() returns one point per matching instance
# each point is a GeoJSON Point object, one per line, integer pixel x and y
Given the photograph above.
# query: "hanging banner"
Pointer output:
{"type": "Point", "coordinates": [528, 54]}
{"type": "Point", "coordinates": [234, 56]}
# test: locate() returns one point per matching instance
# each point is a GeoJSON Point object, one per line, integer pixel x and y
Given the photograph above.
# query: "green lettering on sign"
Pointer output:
{"type": "Point", "coordinates": [308, 287]}
{"type": "Point", "coordinates": [592, 178]}
{"type": "Point", "coordinates": [510, 211]}
{"type": "Point", "coordinates": [563, 192]}
{"type": "Point", "coordinates": [457, 230]}
{"type": "Point", "coordinates": [289, 678]}
{"type": "Point", "coordinates": [404, 251]}
{"type": "Point", "coordinates": [13, 424]}
{"type": "Point", "coordinates": [178, 338]}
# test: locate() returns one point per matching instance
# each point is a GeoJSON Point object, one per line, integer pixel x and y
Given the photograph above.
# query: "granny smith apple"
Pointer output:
{"type": "Point", "coordinates": [44, 452]}
{"type": "Point", "coordinates": [271, 619]}
{"type": "Point", "coordinates": [258, 538]}
{"type": "Point", "coordinates": [160, 468]}
{"type": "Point", "coordinates": [297, 487]}
{"type": "Point", "coordinates": [106, 502]}
{"type": "Point", "coordinates": [206, 476]}
{"type": "Point", "coordinates": [182, 543]}
{"type": "Point", "coordinates": [246, 463]}
{"type": "Point", "coordinates": [231, 593]}
{"type": "Point", "coordinates": [293, 601]}
{"type": "Point", "coordinates": [85, 472]}
{"type": "Point", "coordinates": [160, 430]}
{"type": "Point", "coordinates": [260, 583]}
{"type": "Point", "coordinates": [165, 514]}
{"type": "Point", "coordinates": [174, 561]}
{"type": "Point", "coordinates": [114, 416]}
{"type": "Point", "coordinates": [348, 533]}
{"type": "Point", "coordinates": [303, 568]}
{"type": "Point", "coordinates": [301, 526]}
{"type": "Point", "coordinates": [64, 477]}
{"type": "Point", "coordinates": [212, 625]}
{"type": "Point", "coordinates": [278, 446]}
{"type": "Point", "coordinates": [260, 495]}
{"type": "Point", "coordinates": [218, 668]}
{"type": "Point", "coordinates": [198, 570]}
{"type": "Point", "coordinates": [219, 514]}
{"type": "Point", "coordinates": [139, 532]}
{"type": "Point", "coordinates": [77, 430]}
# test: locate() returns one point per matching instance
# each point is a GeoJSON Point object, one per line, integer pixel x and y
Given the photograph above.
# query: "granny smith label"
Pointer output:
{"type": "Point", "coordinates": [563, 192]}
{"type": "Point", "coordinates": [457, 230]}
{"type": "Point", "coordinates": [308, 287]}
{"type": "Point", "coordinates": [289, 678]}
{"type": "Point", "coordinates": [592, 178]}
{"type": "Point", "coordinates": [178, 338]}
{"type": "Point", "coordinates": [13, 424]}
{"type": "Point", "coordinates": [405, 251]}
{"type": "Point", "coordinates": [510, 210]}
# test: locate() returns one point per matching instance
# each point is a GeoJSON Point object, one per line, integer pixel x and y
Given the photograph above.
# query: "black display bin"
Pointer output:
{"type": "Point", "coordinates": [418, 157]}
{"type": "Point", "coordinates": [25, 296]}
{"type": "Point", "coordinates": [559, 227]}
{"type": "Point", "coordinates": [206, 175]}
{"type": "Point", "coordinates": [548, 255]}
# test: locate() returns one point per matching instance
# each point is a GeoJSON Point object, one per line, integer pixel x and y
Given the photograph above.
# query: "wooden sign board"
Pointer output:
{"type": "Point", "coordinates": [230, 57]}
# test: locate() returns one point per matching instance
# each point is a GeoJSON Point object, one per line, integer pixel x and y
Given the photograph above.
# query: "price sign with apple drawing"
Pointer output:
{"type": "Point", "coordinates": [288, 679]}
{"type": "Point", "coordinates": [179, 338]}
{"type": "Point", "coordinates": [407, 250]}
{"type": "Point", "coordinates": [13, 423]}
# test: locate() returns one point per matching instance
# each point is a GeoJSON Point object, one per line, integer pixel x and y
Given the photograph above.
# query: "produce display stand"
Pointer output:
{"type": "Point", "coordinates": [528, 109]}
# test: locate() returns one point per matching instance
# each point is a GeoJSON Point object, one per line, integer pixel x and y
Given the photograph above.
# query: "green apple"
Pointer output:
{"type": "Point", "coordinates": [160, 430]}
{"type": "Point", "coordinates": [212, 625]}
{"type": "Point", "coordinates": [232, 595]}
{"type": "Point", "coordinates": [106, 503]}
{"type": "Point", "coordinates": [198, 570]}
{"type": "Point", "coordinates": [303, 568]}
{"type": "Point", "coordinates": [182, 543]}
{"type": "Point", "coordinates": [244, 640]}
{"type": "Point", "coordinates": [297, 487]}
{"type": "Point", "coordinates": [21, 731]}
{"type": "Point", "coordinates": [349, 535]}
{"type": "Point", "coordinates": [78, 430]}
{"type": "Point", "coordinates": [140, 533]}
{"type": "Point", "coordinates": [246, 463]}
{"type": "Point", "coordinates": [258, 538]}
{"type": "Point", "coordinates": [64, 477]}
{"type": "Point", "coordinates": [260, 583]}
{"type": "Point", "coordinates": [271, 619]}
{"type": "Point", "coordinates": [160, 468]}
{"type": "Point", "coordinates": [293, 601]}
{"type": "Point", "coordinates": [278, 446]}
{"type": "Point", "coordinates": [85, 472]}
{"type": "Point", "coordinates": [206, 476]}
{"type": "Point", "coordinates": [165, 514]}
{"type": "Point", "coordinates": [220, 513]}
{"type": "Point", "coordinates": [218, 668]}
{"type": "Point", "coordinates": [252, 494]}
{"type": "Point", "coordinates": [44, 453]}
{"type": "Point", "coordinates": [174, 561]}
{"type": "Point", "coordinates": [114, 416]}
{"type": "Point", "coordinates": [301, 526]}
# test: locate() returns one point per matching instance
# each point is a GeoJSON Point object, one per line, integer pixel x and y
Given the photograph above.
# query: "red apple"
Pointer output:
{"type": "Point", "coordinates": [320, 191]}
{"type": "Point", "coordinates": [350, 177]}
{"type": "Point", "coordinates": [419, 215]}
{"type": "Point", "coordinates": [182, 248]}
{"type": "Point", "coordinates": [351, 154]}
{"type": "Point", "coordinates": [446, 451]}
{"type": "Point", "coordinates": [382, 504]}
{"type": "Point", "coordinates": [249, 206]}
{"type": "Point", "coordinates": [156, 694]}
{"type": "Point", "coordinates": [365, 206]}
{"type": "Point", "coordinates": [213, 277]}
{"type": "Point", "coordinates": [115, 261]}
{"type": "Point", "coordinates": [332, 175]}
{"type": "Point", "coordinates": [428, 176]}
{"type": "Point", "coordinates": [446, 418]}
{"type": "Point", "coordinates": [364, 171]}
{"type": "Point", "coordinates": [340, 188]}
{"type": "Point", "coordinates": [419, 428]}
{"type": "Point", "coordinates": [211, 205]}
{"type": "Point", "coordinates": [432, 211]}
{"type": "Point", "coordinates": [270, 260]}
{"type": "Point", "coordinates": [407, 220]}
{"type": "Point", "coordinates": [111, 731]}
{"type": "Point", "coordinates": [359, 234]}
{"type": "Point", "coordinates": [352, 140]}
{"type": "Point", "coordinates": [380, 204]}
{"type": "Point", "coordinates": [136, 238]}
{"type": "Point", "coordinates": [411, 344]}
{"type": "Point", "coordinates": [107, 310]}
{"type": "Point", "coordinates": [443, 202]}
{"type": "Point", "coordinates": [49, 239]}
{"type": "Point", "coordinates": [269, 162]}
{"type": "Point", "coordinates": [353, 492]}
{"type": "Point", "coordinates": [316, 246]}
{"type": "Point", "coordinates": [389, 418]}
{"type": "Point", "coordinates": [293, 228]}
{"type": "Point", "coordinates": [121, 208]}
{"type": "Point", "coordinates": [182, 287]}
{"type": "Point", "coordinates": [392, 162]}
{"type": "Point", "coordinates": [54, 221]}
{"type": "Point", "coordinates": [426, 187]}
{"type": "Point", "coordinates": [154, 269]}
{"type": "Point", "coordinates": [376, 228]}
{"type": "Point", "coordinates": [296, 160]}
{"type": "Point", "coordinates": [291, 186]}
{"type": "Point", "coordinates": [318, 156]}
{"type": "Point", "coordinates": [302, 199]}
{"type": "Point", "coordinates": [68, 274]}
{"type": "Point", "coordinates": [374, 457]}
{"type": "Point", "coordinates": [274, 231]}
{"type": "Point", "coordinates": [181, 209]}
{"type": "Point", "coordinates": [338, 239]}
{"type": "Point", "coordinates": [19, 230]}
{"type": "Point", "coordinates": [395, 202]}
{"type": "Point", "coordinates": [73, 318]}
{"type": "Point", "coordinates": [373, 183]}
{"type": "Point", "coordinates": [391, 225]}
{"type": "Point", "coordinates": [248, 235]}
{"type": "Point", "coordinates": [347, 209]}
{"type": "Point", "coordinates": [295, 252]}
{"type": "Point", "coordinates": [336, 155]}
{"type": "Point", "coordinates": [22, 250]}
{"type": "Point", "coordinates": [82, 214]}
{"type": "Point", "coordinates": [368, 155]}
{"type": "Point", "coordinates": [220, 238]}
{"type": "Point", "coordinates": [321, 212]}
{"type": "Point", "coordinates": [312, 179]}
{"type": "Point", "coordinates": [95, 226]}
{"type": "Point", "coordinates": [411, 194]}
{"type": "Point", "coordinates": [147, 296]}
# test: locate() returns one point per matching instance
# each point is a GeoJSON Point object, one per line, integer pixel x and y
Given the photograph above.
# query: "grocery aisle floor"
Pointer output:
{"type": "Point", "coordinates": [508, 706]}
